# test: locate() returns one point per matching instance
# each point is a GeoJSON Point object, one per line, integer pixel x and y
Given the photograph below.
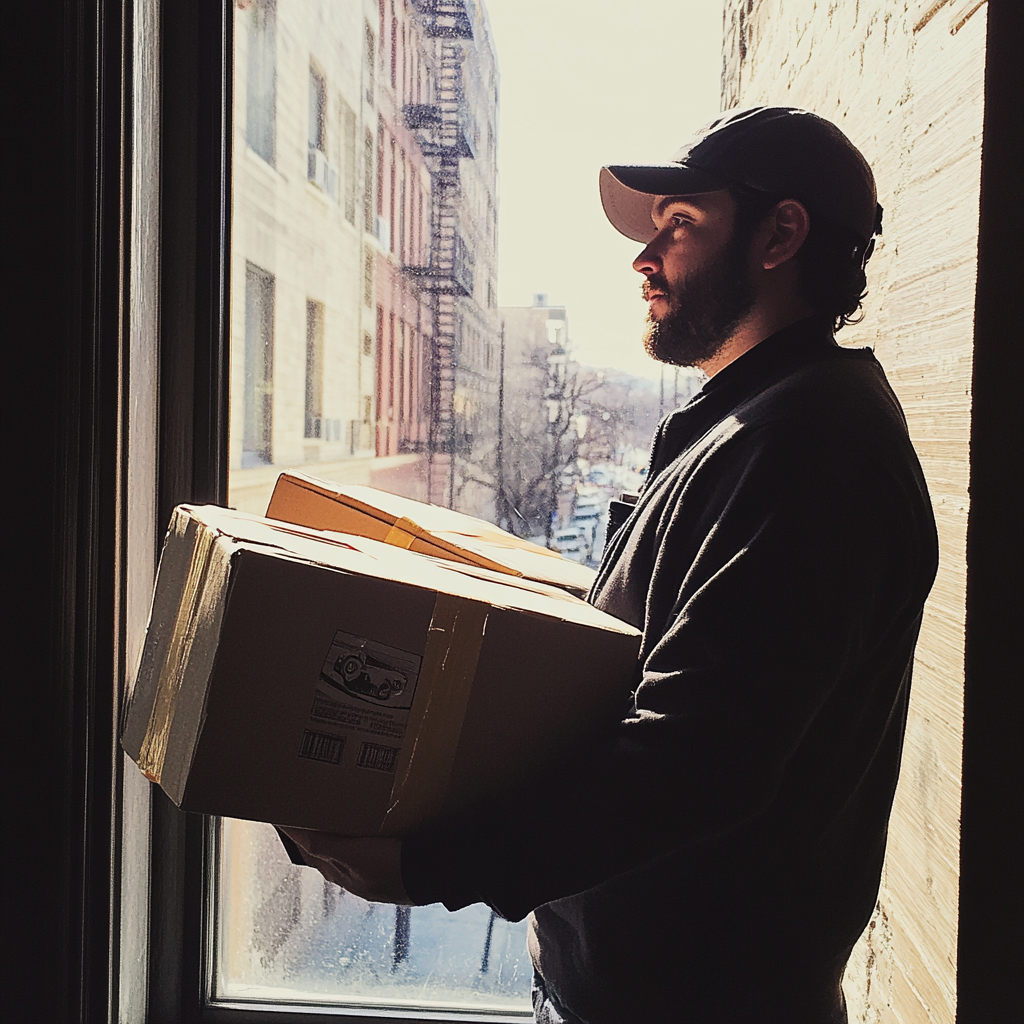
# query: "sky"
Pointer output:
{"type": "Point", "coordinates": [585, 83]}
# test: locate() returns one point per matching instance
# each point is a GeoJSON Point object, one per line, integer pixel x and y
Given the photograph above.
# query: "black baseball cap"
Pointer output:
{"type": "Point", "coordinates": [784, 151]}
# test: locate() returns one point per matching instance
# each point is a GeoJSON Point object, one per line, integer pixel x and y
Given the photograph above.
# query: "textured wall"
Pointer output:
{"type": "Point", "coordinates": [904, 79]}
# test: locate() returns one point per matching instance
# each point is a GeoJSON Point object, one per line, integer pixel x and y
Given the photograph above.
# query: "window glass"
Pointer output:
{"type": "Point", "coordinates": [261, 76]}
{"type": "Point", "coordinates": [258, 368]}
{"type": "Point", "coordinates": [398, 320]}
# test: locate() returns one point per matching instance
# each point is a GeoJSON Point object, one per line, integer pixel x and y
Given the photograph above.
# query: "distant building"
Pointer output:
{"type": "Point", "coordinates": [561, 420]}
{"type": "Point", "coordinates": [538, 382]}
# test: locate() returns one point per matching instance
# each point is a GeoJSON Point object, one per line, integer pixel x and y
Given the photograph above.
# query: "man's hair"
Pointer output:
{"type": "Point", "coordinates": [832, 277]}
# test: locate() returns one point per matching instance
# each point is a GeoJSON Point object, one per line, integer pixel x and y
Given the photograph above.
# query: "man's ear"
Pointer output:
{"type": "Point", "coordinates": [785, 229]}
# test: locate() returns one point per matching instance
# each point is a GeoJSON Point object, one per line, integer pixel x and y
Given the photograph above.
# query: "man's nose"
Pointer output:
{"type": "Point", "coordinates": [648, 262]}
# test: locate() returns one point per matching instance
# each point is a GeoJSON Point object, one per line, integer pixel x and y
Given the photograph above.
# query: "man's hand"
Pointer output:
{"type": "Point", "coordinates": [370, 867]}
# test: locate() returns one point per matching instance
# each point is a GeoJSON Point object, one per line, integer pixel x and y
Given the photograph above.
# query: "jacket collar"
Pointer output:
{"type": "Point", "coordinates": [754, 371]}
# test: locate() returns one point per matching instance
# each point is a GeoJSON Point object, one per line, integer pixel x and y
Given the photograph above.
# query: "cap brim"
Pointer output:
{"type": "Point", "coordinates": [627, 194]}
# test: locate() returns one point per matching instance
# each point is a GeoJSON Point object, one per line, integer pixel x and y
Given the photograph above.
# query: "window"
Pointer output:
{"type": "Point", "coordinates": [386, 371]}
{"type": "Point", "coordinates": [393, 197]}
{"type": "Point", "coordinates": [368, 265]}
{"type": "Point", "coordinates": [348, 131]}
{"type": "Point", "coordinates": [261, 78]}
{"type": "Point", "coordinates": [317, 110]}
{"type": "Point", "coordinates": [378, 227]}
{"type": "Point", "coordinates": [369, 63]}
{"type": "Point", "coordinates": [319, 169]}
{"type": "Point", "coordinates": [368, 182]}
{"type": "Point", "coordinates": [403, 224]}
{"type": "Point", "coordinates": [314, 407]}
{"type": "Point", "coordinates": [258, 395]}
{"type": "Point", "coordinates": [394, 50]}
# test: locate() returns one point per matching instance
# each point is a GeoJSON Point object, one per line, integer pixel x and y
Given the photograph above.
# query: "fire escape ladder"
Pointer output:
{"type": "Point", "coordinates": [441, 133]}
{"type": "Point", "coordinates": [445, 244]}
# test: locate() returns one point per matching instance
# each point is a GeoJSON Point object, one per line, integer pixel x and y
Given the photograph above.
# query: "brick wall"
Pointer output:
{"type": "Point", "coordinates": [904, 79]}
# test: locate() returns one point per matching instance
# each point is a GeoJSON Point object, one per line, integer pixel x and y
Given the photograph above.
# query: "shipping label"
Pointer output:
{"type": "Point", "coordinates": [361, 704]}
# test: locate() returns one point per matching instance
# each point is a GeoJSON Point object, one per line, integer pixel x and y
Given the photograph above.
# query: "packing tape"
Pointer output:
{"type": "Point", "coordinates": [403, 533]}
{"type": "Point", "coordinates": [454, 639]}
{"type": "Point", "coordinates": [172, 671]}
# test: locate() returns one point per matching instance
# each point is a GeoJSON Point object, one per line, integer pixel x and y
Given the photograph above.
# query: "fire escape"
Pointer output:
{"type": "Point", "coordinates": [441, 132]}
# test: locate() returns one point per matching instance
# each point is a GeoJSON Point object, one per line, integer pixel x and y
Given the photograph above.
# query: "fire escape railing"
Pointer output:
{"type": "Point", "coordinates": [440, 129]}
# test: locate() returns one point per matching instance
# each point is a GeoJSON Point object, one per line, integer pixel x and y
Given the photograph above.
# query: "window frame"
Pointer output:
{"type": "Point", "coordinates": [195, 182]}
{"type": "Point", "coordinates": [196, 50]}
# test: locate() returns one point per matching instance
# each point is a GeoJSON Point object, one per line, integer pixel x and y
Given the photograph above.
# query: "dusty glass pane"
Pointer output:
{"type": "Point", "coordinates": [286, 935]}
{"type": "Point", "coordinates": [378, 336]}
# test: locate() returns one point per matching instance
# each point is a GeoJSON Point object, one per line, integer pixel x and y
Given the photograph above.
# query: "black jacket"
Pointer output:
{"type": "Point", "coordinates": [719, 855]}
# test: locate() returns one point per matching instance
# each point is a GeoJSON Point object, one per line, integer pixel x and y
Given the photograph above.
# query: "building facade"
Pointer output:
{"type": "Point", "coordinates": [538, 384]}
{"type": "Point", "coordinates": [438, 141]}
{"type": "Point", "coordinates": [303, 381]}
{"type": "Point", "coordinates": [403, 325]}
{"type": "Point", "coordinates": [363, 320]}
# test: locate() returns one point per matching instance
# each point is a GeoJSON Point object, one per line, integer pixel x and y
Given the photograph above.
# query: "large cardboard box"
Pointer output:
{"type": "Point", "coordinates": [421, 527]}
{"type": "Point", "coordinates": [313, 679]}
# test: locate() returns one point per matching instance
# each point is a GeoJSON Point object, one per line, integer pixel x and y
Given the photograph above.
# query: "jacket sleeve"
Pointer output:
{"type": "Point", "coordinates": [768, 569]}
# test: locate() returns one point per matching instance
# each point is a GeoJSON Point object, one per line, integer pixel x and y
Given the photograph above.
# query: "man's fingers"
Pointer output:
{"type": "Point", "coordinates": [369, 867]}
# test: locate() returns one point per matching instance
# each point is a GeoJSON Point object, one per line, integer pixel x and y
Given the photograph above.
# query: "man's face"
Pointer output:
{"type": "Point", "coordinates": [698, 284]}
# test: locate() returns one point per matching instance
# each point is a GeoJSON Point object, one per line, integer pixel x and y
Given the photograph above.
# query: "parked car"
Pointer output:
{"type": "Point", "coordinates": [570, 542]}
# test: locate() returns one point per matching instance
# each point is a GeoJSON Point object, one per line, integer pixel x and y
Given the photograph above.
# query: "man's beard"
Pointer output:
{"type": "Point", "coordinates": [704, 310]}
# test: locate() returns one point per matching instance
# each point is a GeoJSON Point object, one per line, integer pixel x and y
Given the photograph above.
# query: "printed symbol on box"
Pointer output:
{"type": "Point", "coordinates": [378, 757]}
{"type": "Point", "coordinates": [321, 746]}
{"type": "Point", "coordinates": [371, 672]}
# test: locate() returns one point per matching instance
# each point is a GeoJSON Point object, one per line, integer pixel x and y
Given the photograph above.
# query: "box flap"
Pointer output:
{"type": "Point", "coordinates": [373, 558]}
{"type": "Point", "coordinates": [427, 529]}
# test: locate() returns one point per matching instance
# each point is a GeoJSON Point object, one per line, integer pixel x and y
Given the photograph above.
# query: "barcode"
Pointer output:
{"type": "Point", "coordinates": [319, 746]}
{"type": "Point", "coordinates": [377, 756]}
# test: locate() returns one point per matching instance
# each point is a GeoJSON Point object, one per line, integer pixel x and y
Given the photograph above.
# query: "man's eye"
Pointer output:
{"type": "Point", "coordinates": [679, 218]}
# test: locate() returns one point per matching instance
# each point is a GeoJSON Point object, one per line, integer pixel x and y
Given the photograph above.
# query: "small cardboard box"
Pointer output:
{"type": "Point", "coordinates": [336, 683]}
{"type": "Point", "coordinates": [421, 527]}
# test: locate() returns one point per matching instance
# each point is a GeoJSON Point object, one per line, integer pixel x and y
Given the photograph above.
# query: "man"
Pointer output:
{"type": "Point", "coordinates": [717, 858]}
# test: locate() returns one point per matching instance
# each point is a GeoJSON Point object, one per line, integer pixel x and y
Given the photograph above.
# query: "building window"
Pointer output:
{"type": "Point", "coordinates": [403, 225]}
{"type": "Point", "coordinates": [394, 52]}
{"type": "Point", "coordinates": [369, 49]}
{"type": "Point", "coordinates": [258, 391]}
{"type": "Point", "coordinates": [393, 197]}
{"type": "Point", "coordinates": [261, 79]}
{"type": "Point", "coordinates": [368, 180]}
{"type": "Point", "coordinates": [389, 405]}
{"type": "Point", "coordinates": [320, 172]}
{"type": "Point", "coordinates": [368, 277]}
{"type": "Point", "coordinates": [380, 168]}
{"type": "Point", "coordinates": [348, 131]}
{"type": "Point", "coordinates": [317, 110]}
{"type": "Point", "coordinates": [314, 368]}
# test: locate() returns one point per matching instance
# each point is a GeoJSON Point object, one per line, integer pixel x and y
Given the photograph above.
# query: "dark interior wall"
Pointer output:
{"type": "Point", "coordinates": [991, 852]}
{"type": "Point", "coordinates": [62, 297]}
{"type": "Point", "coordinates": [66, 289]}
